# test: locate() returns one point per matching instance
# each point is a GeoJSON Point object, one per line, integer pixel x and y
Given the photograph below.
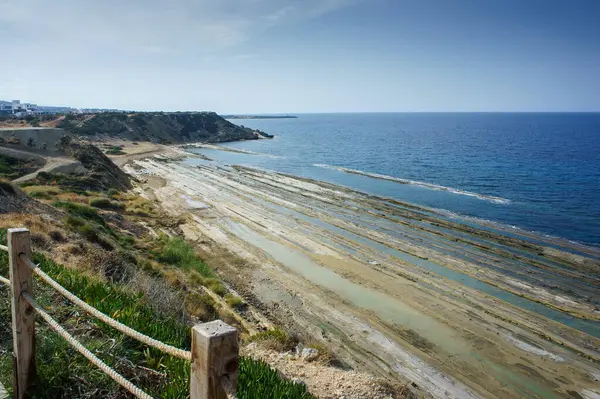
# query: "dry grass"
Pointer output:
{"type": "Point", "coordinates": [276, 340]}
{"type": "Point", "coordinates": [41, 242]}
{"type": "Point", "coordinates": [164, 299]}
{"type": "Point", "coordinates": [42, 192]}
{"type": "Point", "coordinates": [174, 278]}
{"type": "Point", "coordinates": [35, 223]}
{"type": "Point", "coordinates": [72, 197]}
{"type": "Point", "coordinates": [136, 205]}
{"type": "Point", "coordinates": [201, 306]}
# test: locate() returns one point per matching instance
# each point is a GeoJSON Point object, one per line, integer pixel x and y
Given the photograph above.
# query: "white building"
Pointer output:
{"type": "Point", "coordinates": [19, 109]}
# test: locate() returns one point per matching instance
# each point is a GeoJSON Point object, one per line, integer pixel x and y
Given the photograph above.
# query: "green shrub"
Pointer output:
{"type": "Point", "coordinates": [105, 203]}
{"type": "Point", "coordinates": [91, 232]}
{"type": "Point", "coordinates": [175, 251]}
{"type": "Point", "coordinates": [218, 288]}
{"type": "Point", "coordinates": [112, 192]}
{"type": "Point", "coordinates": [234, 301]}
{"type": "Point", "coordinates": [115, 152]}
{"type": "Point", "coordinates": [88, 232]}
{"type": "Point", "coordinates": [137, 212]}
{"type": "Point", "coordinates": [11, 168]}
{"type": "Point", "coordinates": [74, 221]}
{"type": "Point", "coordinates": [80, 210]}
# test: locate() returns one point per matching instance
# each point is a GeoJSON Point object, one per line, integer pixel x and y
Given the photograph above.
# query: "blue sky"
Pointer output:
{"type": "Point", "coordinates": [260, 56]}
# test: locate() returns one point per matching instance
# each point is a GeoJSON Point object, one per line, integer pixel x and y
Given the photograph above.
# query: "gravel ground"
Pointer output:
{"type": "Point", "coordinates": [328, 382]}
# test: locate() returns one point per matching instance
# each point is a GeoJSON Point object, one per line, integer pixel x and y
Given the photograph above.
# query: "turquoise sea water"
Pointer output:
{"type": "Point", "coordinates": [536, 171]}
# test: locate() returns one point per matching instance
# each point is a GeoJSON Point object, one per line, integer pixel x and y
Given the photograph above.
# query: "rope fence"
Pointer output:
{"type": "Point", "coordinates": [214, 354]}
{"type": "Point", "coordinates": [182, 354]}
{"type": "Point", "coordinates": [118, 378]}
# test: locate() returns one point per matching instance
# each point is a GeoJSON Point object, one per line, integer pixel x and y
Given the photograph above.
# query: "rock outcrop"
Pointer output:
{"type": "Point", "coordinates": [160, 127]}
{"type": "Point", "coordinates": [99, 167]}
{"type": "Point", "coordinates": [13, 200]}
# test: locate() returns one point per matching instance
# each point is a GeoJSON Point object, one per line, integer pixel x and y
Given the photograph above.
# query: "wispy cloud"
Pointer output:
{"type": "Point", "coordinates": [149, 26]}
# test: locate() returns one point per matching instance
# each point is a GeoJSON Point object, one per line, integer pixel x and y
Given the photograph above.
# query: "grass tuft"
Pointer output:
{"type": "Point", "coordinates": [201, 306]}
{"type": "Point", "coordinates": [42, 192]}
{"type": "Point", "coordinates": [274, 339]}
{"type": "Point", "coordinates": [105, 203]}
{"type": "Point", "coordinates": [234, 301]}
{"type": "Point", "coordinates": [175, 251]}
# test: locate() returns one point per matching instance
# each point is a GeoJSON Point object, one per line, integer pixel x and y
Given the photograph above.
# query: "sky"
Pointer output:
{"type": "Point", "coordinates": [303, 56]}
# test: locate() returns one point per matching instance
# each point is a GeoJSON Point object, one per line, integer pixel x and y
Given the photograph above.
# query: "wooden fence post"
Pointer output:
{"type": "Point", "coordinates": [214, 356]}
{"type": "Point", "coordinates": [23, 316]}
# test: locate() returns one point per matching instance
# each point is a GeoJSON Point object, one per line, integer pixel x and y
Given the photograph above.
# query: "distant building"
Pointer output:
{"type": "Point", "coordinates": [5, 109]}
{"type": "Point", "coordinates": [19, 109]}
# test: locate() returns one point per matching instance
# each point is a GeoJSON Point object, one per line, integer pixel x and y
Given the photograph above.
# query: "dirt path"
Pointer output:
{"type": "Point", "coordinates": [396, 289]}
{"type": "Point", "coordinates": [50, 163]}
{"type": "Point", "coordinates": [53, 165]}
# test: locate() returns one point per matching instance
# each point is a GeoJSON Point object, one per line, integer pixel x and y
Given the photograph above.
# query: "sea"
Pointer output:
{"type": "Point", "coordinates": [538, 172]}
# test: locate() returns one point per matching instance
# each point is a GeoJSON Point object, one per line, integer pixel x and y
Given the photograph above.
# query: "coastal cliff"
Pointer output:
{"type": "Point", "coordinates": [160, 127]}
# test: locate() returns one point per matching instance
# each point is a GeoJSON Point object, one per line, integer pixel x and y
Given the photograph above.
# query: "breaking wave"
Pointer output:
{"type": "Point", "coordinates": [234, 150]}
{"type": "Point", "coordinates": [490, 198]}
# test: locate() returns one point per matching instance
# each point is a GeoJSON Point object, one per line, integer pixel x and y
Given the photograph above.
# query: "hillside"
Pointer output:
{"type": "Point", "coordinates": [159, 127]}
{"type": "Point", "coordinates": [125, 256]}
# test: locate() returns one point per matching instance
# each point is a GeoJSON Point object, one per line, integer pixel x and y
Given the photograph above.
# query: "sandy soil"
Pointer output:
{"type": "Point", "coordinates": [325, 381]}
{"type": "Point", "coordinates": [393, 289]}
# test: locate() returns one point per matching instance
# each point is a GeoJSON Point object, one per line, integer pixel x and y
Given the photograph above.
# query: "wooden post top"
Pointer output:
{"type": "Point", "coordinates": [215, 329]}
{"type": "Point", "coordinates": [17, 230]}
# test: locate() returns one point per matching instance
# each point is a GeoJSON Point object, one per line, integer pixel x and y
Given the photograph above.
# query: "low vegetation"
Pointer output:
{"type": "Point", "coordinates": [70, 182]}
{"type": "Point", "coordinates": [42, 192]}
{"type": "Point", "coordinates": [175, 251]}
{"type": "Point", "coordinates": [62, 373]}
{"type": "Point", "coordinates": [13, 168]}
{"type": "Point", "coordinates": [234, 301]}
{"type": "Point", "coordinates": [115, 150]}
{"type": "Point", "coordinates": [82, 211]}
{"type": "Point", "coordinates": [105, 203]}
{"type": "Point", "coordinates": [260, 381]}
{"type": "Point", "coordinates": [275, 339]}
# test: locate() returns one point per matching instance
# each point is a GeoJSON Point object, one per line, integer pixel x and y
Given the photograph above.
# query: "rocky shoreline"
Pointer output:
{"type": "Point", "coordinates": [392, 288]}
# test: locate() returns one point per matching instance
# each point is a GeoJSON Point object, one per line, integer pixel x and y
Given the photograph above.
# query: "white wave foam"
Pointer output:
{"type": "Point", "coordinates": [232, 149]}
{"type": "Point", "coordinates": [248, 152]}
{"type": "Point", "coordinates": [491, 198]}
